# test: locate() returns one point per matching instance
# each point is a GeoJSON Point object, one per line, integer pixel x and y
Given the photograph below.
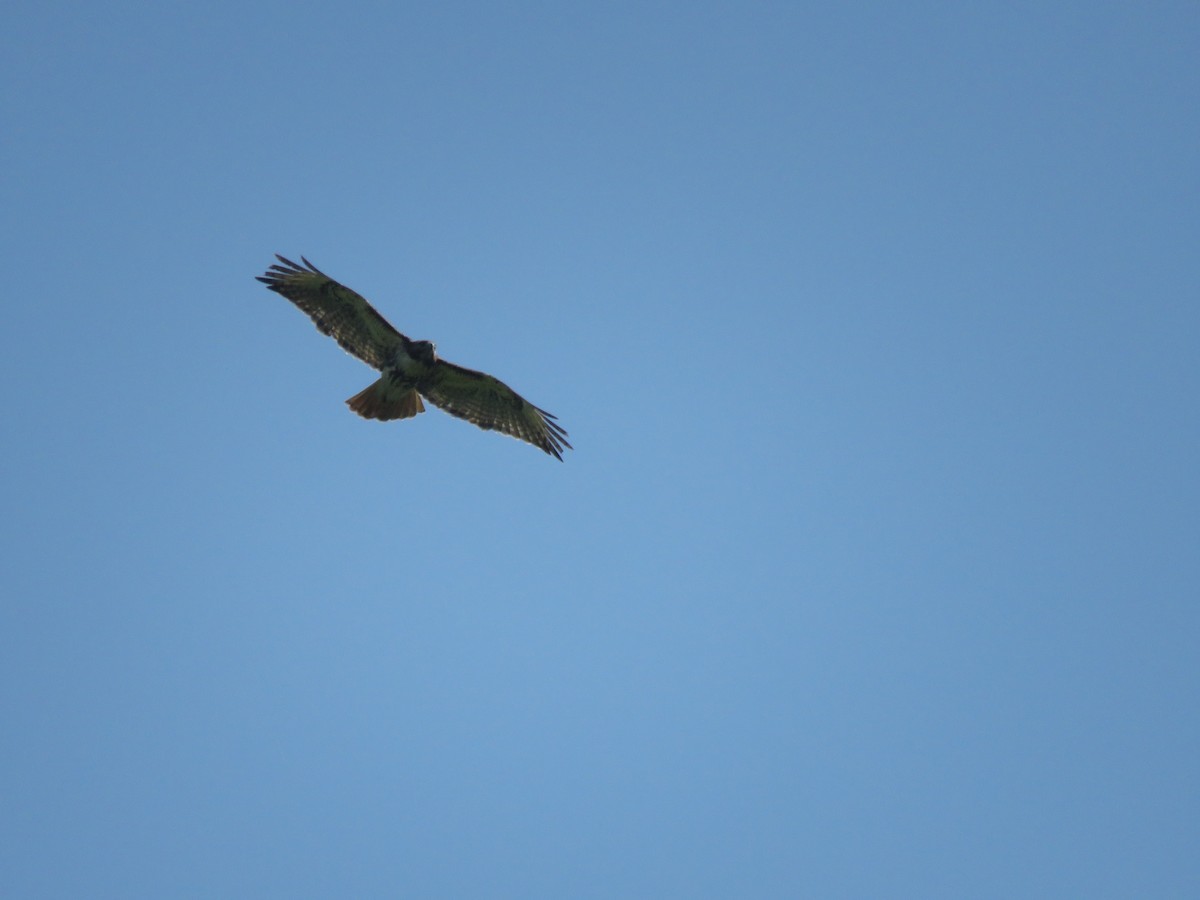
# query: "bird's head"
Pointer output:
{"type": "Point", "coordinates": [425, 351]}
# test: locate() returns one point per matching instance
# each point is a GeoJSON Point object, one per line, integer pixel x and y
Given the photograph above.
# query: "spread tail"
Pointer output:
{"type": "Point", "coordinates": [387, 399]}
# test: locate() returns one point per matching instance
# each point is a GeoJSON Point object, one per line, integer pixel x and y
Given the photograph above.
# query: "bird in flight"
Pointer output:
{"type": "Point", "coordinates": [410, 369]}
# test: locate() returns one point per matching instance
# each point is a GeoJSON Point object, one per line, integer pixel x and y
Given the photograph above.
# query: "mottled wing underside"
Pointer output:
{"type": "Point", "coordinates": [491, 404]}
{"type": "Point", "coordinates": [337, 311]}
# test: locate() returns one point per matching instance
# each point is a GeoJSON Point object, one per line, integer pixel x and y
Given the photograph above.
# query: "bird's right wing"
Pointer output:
{"type": "Point", "coordinates": [337, 311]}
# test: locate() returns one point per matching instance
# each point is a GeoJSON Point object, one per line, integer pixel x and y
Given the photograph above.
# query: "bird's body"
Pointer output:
{"type": "Point", "coordinates": [409, 369]}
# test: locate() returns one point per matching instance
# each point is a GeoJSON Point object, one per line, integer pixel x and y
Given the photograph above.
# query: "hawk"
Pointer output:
{"type": "Point", "coordinates": [410, 369]}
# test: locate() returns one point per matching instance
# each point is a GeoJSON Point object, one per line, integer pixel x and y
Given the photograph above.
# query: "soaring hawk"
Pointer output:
{"type": "Point", "coordinates": [411, 369]}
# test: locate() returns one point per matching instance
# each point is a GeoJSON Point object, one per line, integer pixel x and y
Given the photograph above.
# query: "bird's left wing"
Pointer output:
{"type": "Point", "coordinates": [336, 310]}
{"type": "Point", "coordinates": [489, 403]}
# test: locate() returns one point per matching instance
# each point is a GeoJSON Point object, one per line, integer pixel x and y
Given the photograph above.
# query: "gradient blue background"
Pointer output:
{"type": "Point", "coordinates": [875, 571]}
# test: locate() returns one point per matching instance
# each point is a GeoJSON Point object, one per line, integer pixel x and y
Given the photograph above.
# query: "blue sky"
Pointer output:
{"type": "Point", "coordinates": [873, 573]}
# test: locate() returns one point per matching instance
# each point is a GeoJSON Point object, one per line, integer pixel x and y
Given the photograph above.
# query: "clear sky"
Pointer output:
{"type": "Point", "coordinates": [875, 571]}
